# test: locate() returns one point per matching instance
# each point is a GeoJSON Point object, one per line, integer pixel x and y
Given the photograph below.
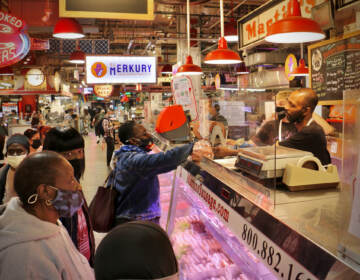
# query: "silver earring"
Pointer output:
{"type": "Point", "coordinates": [48, 202]}
{"type": "Point", "coordinates": [32, 198]}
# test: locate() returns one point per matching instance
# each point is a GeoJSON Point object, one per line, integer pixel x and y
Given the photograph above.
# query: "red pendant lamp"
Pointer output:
{"type": "Point", "coordinates": [294, 28]}
{"type": "Point", "coordinates": [230, 31]}
{"type": "Point", "coordinates": [166, 69]}
{"type": "Point", "coordinates": [222, 55]}
{"type": "Point", "coordinates": [189, 68]}
{"type": "Point", "coordinates": [241, 69]}
{"type": "Point", "coordinates": [77, 57]}
{"type": "Point", "coordinates": [68, 28]}
{"type": "Point", "coordinates": [301, 70]}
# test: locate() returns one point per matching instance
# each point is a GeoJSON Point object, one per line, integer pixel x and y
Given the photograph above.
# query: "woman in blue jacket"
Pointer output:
{"type": "Point", "coordinates": [135, 173]}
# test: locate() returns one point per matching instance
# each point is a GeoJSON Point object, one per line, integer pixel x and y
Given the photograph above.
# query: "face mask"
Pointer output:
{"type": "Point", "coordinates": [296, 117]}
{"type": "Point", "coordinates": [36, 143]}
{"type": "Point", "coordinates": [67, 203]}
{"type": "Point", "coordinates": [146, 144]}
{"type": "Point", "coordinates": [14, 161]}
{"type": "Point", "coordinates": [281, 112]}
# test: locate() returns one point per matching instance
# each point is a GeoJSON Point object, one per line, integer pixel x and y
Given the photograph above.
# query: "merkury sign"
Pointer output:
{"type": "Point", "coordinates": [256, 28]}
{"type": "Point", "coordinates": [14, 42]}
{"type": "Point", "coordinates": [111, 69]}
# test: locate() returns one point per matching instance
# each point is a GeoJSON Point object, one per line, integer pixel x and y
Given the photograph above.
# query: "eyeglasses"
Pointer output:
{"type": "Point", "coordinates": [16, 152]}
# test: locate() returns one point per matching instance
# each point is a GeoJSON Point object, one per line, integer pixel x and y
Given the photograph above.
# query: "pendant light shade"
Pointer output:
{"type": "Point", "coordinates": [241, 69]}
{"type": "Point", "coordinates": [294, 28]}
{"type": "Point", "coordinates": [230, 31]}
{"type": "Point", "coordinates": [166, 69]}
{"type": "Point", "coordinates": [301, 70]}
{"type": "Point", "coordinates": [222, 55]}
{"type": "Point", "coordinates": [6, 71]}
{"type": "Point", "coordinates": [77, 57]}
{"type": "Point", "coordinates": [68, 28]}
{"type": "Point", "coordinates": [189, 68]}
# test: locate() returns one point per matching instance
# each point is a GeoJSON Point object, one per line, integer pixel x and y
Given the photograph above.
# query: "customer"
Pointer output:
{"type": "Point", "coordinates": [17, 148]}
{"type": "Point", "coordinates": [108, 136]}
{"type": "Point", "coordinates": [34, 140]}
{"type": "Point", "coordinates": [34, 244]}
{"type": "Point", "coordinates": [95, 123]}
{"type": "Point", "coordinates": [136, 173]}
{"type": "Point", "coordinates": [136, 250]}
{"type": "Point", "coordinates": [70, 144]}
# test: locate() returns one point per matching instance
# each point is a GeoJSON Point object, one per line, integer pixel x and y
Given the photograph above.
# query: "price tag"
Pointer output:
{"type": "Point", "coordinates": [277, 260]}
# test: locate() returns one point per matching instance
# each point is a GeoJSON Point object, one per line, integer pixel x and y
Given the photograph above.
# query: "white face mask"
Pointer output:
{"type": "Point", "coordinates": [15, 161]}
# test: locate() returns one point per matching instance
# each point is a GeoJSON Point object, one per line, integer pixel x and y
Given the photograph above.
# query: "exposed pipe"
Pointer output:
{"type": "Point", "coordinates": [228, 13]}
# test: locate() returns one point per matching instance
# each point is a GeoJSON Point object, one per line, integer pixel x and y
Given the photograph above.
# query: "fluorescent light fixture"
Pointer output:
{"type": "Point", "coordinates": [231, 38]}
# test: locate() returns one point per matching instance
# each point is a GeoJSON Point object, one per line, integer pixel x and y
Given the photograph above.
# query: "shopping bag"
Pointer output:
{"type": "Point", "coordinates": [102, 207]}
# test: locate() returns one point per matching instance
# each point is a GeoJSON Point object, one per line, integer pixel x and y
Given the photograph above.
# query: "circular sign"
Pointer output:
{"type": "Point", "coordinates": [14, 42]}
{"type": "Point", "coordinates": [98, 69]}
{"type": "Point", "coordinates": [316, 60]}
{"type": "Point", "coordinates": [103, 90]}
{"type": "Point", "coordinates": [290, 65]}
{"type": "Point", "coordinates": [35, 77]}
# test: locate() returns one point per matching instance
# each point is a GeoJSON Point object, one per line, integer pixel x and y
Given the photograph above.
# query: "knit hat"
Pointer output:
{"type": "Point", "coordinates": [18, 139]}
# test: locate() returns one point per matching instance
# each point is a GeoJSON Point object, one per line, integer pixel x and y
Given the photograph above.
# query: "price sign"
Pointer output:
{"type": "Point", "coordinates": [276, 259]}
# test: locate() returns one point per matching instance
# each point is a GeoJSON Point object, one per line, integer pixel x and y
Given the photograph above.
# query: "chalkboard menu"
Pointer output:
{"type": "Point", "coordinates": [335, 67]}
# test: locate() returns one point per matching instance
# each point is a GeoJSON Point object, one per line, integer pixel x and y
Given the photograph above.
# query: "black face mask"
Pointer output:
{"type": "Point", "coordinates": [36, 143]}
{"type": "Point", "coordinates": [146, 143]}
{"type": "Point", "coordinates": [297, 117]}
{"type": "Point", "coordinates": [281, 112]}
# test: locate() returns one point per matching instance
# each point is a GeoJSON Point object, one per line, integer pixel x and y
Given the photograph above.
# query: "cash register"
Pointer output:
{"type": "Point", "coordinates": [298, 169]}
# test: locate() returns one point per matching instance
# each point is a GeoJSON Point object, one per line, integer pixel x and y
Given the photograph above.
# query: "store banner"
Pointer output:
{"type": "Point", "coordinates": [257, 28]}
{"type": "Point", "coordinates": [39, 44]}
{"type": "Point", "coordinates": [14, 41]}
{"type": "Point", "coordinates": [120, 69]}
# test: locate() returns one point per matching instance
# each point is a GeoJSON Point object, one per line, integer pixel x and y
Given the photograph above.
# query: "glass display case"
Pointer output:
{"type": "Point", "coordinates": [204, 246]}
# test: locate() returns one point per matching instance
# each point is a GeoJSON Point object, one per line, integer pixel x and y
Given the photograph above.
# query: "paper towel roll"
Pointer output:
{"type": "Point", "coordinates": [310, 159]}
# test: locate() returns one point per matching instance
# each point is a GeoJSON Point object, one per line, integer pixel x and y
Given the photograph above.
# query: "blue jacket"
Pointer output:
{"type": "Point", "coordinates": [136, 179]}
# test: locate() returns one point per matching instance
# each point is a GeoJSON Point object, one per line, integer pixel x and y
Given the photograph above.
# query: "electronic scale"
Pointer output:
{"type": "Point", "coordinates": [299, 169]}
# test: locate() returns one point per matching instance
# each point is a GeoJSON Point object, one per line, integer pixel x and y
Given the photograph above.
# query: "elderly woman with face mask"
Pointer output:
{"type": "Point", "coordinates": [17, 148]}
{"type": "Point", "coordinates": [34, 244]}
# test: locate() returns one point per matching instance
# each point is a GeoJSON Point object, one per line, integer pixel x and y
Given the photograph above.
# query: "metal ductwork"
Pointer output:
{"type": "Point", "coordinates": [261, 58]}
{"type": "Point", "coordinates": [274, 78]}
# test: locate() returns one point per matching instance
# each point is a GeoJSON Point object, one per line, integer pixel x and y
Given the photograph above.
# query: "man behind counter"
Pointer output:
{"type": "Point", "coordinates": [309, 136]}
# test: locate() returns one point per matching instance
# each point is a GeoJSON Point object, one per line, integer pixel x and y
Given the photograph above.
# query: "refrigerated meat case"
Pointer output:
{"type": "Point", "coordinates": [296, 235]}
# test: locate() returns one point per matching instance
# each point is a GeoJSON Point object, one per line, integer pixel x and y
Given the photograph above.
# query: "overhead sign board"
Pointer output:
{"type": "Point", "coordinates": [120, 69]}
{"type": "Point", "coordinates": [14, 42]}
{"type": "Point", "coordinates": [113, 9]}
{"type": "Point", "coordinates": [256, 28]}
{"type": "Point", "coordinates": [103, 90]}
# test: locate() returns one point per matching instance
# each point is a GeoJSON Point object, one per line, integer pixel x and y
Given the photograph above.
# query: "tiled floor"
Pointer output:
{"type": "Point", "coordinates": [96, 171]}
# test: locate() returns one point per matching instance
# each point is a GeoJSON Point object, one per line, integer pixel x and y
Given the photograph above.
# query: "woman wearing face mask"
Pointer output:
{"type": "Point", "coordinates": [34, 140]}
{"type": "Point", "coordinates": [34, 244]}
{"type": "Point", "coordinates": [70, 144]}
{"type": "Point", "coordinates": [17, 148]}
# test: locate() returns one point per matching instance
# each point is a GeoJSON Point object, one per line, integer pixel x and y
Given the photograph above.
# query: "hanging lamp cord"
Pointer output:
{"type": "Point", "coordinates": [188, 24]}
{"type": "Point", "coordinates": [222, 17]}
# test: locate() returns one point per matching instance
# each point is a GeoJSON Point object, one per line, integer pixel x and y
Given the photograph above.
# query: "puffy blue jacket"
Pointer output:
{"type": "Point", "coordinates": [136, 179]}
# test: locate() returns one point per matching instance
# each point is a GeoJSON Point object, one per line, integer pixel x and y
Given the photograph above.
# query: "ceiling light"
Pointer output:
{"type": "Point", "coordinates": [77, 57]}
{"type": "Point", "coordinates": [241, 69]}
{"type": "Point", "coordinates": [222, 55]}
{"type": "Point", "coordinates": [294, 28]}
{"type": "Point", "coordinates": [166, 69]}
{"type": "Point", "coordinates": [68, 28]}
{"type": "Point", "coordinates": [189, 68]}
{"type": "Point", "coordinates": [301, 70]}
{"type": "Point", "coordinates": [230, 31]}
